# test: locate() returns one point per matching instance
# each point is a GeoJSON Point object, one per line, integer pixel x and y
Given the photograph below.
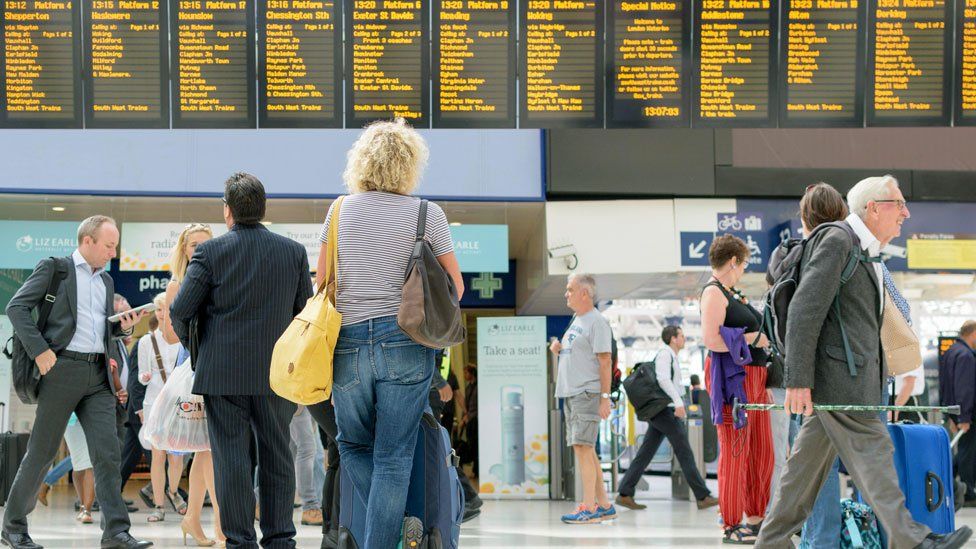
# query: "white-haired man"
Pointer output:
{"type": "Point", "coordinates": [583, 382]}
{"type": "Point", "coordinates": [827, 367]}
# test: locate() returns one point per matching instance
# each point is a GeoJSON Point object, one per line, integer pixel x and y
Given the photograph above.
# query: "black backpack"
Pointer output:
{"type": "Point", "coordinates": [644, 392]}
{"type": "Point", "coordinates": [783, 276]}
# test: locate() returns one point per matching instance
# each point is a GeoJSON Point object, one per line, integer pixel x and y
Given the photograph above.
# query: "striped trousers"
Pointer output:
{"type": "Point", "coordinates": [745, 459]}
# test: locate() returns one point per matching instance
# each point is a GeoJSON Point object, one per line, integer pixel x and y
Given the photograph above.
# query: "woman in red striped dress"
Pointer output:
{"type": "Point", "coordinates": [745, 464]}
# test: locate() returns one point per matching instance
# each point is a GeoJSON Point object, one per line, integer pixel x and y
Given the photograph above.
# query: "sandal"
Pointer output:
{"type": "Point", "coordinates": [158, 514]}
{"type": "Point", "coordinates": [177, 501]}
{"type": "Point", "coordinates": [740, 535]}
{"type": "Point", "coordinates": [84, 516]}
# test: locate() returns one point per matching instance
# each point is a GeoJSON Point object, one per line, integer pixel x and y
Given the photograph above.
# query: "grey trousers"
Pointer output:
{"type": "Point", "coordinates": [865, 448]}
{"type": "Point", "coordinates": [80, 387]}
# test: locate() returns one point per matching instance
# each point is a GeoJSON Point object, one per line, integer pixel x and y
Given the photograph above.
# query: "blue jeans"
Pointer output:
{"type": "Point", "coordinates": [381, 380]}
{"type": "Point", "coordinates": [58, 471]}
{"type": "Point", "coordinates": [822, 528]}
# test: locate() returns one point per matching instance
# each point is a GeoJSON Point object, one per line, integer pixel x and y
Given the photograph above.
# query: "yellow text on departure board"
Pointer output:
{"type": "Point", "coordinates": [473, 71]}
{"type": "Point", "coordinates": [39, 58]}
{"type": "Point", "coordinates": [821, 63]}
{"type": "Point", "coordinates": [212, 57]}
{"type": "Point", "coordinates": [648, 57]}
{"type": "Point", "coordinates": [909, 38]}
{"type": "Point", "coordinates": [300, 57]}
{"type": "Point", "coordinates": [125, 71]}
{"type": "Point", "coordinates": [560, 58]}
{"type": "Point", "coordinates": [734, 54]}
{"type": "Point", "coordinates": [968, 55]}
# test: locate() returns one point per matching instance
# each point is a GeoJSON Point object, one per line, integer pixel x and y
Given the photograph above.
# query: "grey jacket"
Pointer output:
{"type": "Point", "coordinates": [60, 326]}
{"type": "Point", "coordinates": [815, 350]}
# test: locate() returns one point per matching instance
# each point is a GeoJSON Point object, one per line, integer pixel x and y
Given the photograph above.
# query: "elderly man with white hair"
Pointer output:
{"type": "Point", "coordinates": [834, 350]}
{"type": "Point", "coordinates": [583, 382]}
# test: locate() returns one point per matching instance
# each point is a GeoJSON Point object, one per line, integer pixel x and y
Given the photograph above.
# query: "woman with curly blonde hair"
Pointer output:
{"type": "Point", "coordinates": [381, 377]}
{"type": "Point", "coordinates": [201, 471]}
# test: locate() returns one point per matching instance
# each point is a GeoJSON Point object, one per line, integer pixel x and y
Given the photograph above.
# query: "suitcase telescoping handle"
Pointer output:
{"type": "Point", "coordinates": [931, 502]}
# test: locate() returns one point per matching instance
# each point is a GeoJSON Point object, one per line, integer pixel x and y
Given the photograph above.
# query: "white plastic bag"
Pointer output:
{"type": "Point", "coordinates": [177, 421]}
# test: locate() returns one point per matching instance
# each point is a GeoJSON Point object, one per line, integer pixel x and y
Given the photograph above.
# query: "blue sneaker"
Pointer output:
{"type": "Point", "coordinates": [581, 516]}
{"type": "Point", "coordinates": [603, 515]}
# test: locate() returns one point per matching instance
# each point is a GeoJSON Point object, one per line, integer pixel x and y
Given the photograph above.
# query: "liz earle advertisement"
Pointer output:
{"type": "Point", "coordinates": [513, 429]}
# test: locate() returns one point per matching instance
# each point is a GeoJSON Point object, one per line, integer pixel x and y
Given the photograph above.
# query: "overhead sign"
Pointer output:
{"type": "Point", "coordinates": [306, 234]}
{"type": "Point", "coordinates": [481, 248]}
{"type": "Point", "coordinates": [25, 243]}
{"type": "Point", "coordinates": [489, 290]}
{"type": "Point", "coordinates": [694, 248]}
{"type": "Point", "coordinates": [147, 246]}
{"type": "Point", "coordinates": [741, 222]}
{"type": "Point", "coordinates": [942, 251]}
{"type": "Point", "coordinates": [139, 287]}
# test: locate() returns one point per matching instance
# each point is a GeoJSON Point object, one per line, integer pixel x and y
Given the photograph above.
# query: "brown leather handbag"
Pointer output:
{"type": "Point", "coordinates": [898, 341]}
{"type": "Point", "coordinates": [430, 312]}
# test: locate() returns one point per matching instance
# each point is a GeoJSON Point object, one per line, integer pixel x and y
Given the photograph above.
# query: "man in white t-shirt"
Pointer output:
{"type": "Point", "coordinates": [667, 423]}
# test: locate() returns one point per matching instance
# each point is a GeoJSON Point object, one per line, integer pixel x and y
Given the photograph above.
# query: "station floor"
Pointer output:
{"type": "Point", "coordinates": [502, 525]}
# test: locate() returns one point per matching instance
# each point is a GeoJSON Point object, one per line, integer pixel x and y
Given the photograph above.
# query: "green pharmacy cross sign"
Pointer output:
{"type": "Point", "coordinates": [487, 285]}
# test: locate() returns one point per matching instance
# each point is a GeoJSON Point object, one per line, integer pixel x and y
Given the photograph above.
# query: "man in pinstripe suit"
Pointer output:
{"type": "Point", "coordinates": [244, 288]}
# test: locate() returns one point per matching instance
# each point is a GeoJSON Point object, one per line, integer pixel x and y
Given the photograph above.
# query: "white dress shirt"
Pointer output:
{"type": "Point", "coordinates": [89, 334]}
{"type": "Point", "coordinates": [871, 245]}
{"type": "Point", "coordinates": [665, 360]}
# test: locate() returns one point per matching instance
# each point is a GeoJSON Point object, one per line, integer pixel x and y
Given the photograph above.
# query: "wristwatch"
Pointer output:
{"type": "Point", "coordinates": [604, 395]}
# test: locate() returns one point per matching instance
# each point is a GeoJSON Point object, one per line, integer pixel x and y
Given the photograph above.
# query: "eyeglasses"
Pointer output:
{"type": "Point", "coordinates": [899, 203]}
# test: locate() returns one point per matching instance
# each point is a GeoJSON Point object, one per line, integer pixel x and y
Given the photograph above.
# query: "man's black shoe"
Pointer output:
{"type": "Point", "coordinates": [124, 541]}
{"type": "Point", "coordinates": [948, 541]}
{"type": "Point", "coordinates": [470, 514]}
{"type": "Point", "coordinates": [128, 501]}
{"type": "Point", "coordinates": [131, 508]}
{"type": "Point", "coordinates": [331, 540]}
{"type": "Point", "coordinates": [18, 541]}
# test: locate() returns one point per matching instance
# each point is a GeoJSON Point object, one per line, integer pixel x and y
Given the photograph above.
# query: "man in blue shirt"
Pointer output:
{"type": "Point", "coordinates": [72, 354]}
{"type": "Point", "coordinates": [957, 386]}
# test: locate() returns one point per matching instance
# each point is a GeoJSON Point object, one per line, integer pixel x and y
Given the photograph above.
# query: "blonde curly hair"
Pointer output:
{"type": "Point", "coordinates": [389, 156]}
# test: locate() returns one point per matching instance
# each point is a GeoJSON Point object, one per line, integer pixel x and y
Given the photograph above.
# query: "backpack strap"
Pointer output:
{"type": "Point", "coordinates": [60, 273]}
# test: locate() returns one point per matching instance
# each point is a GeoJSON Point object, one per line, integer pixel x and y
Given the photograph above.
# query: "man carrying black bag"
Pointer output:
{"type": "Point", "coordinates": [71, 354]}
{"type": "Point", "coordinates": [657, 387]}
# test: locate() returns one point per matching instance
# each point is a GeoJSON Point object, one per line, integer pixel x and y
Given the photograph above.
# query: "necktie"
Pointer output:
{"type": "Point", "coordinates": [900, 302]}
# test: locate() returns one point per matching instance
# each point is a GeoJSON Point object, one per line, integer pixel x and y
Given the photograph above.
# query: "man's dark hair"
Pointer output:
{"type": "Point", "coordinates": [669, 333]}
{"type": "Point", "coordinates": [244, 195]}
{"type": "Point", "coordinates": [694, 380]}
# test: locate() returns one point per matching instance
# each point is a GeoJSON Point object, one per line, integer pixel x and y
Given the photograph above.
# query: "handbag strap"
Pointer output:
{"type": "Point", "coordinates": [332, 260]}
{"type": "Point", "coordinates": [159, 356]}
{"type": "Point", "coordinates": [422, 221]}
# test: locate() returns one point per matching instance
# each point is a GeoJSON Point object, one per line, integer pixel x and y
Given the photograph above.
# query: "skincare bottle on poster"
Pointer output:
{"type": "Point", "coordinates": [513, 434]}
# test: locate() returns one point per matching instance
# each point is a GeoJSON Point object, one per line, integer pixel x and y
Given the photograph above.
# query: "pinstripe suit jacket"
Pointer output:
{"type": "Point", "coordinates": [244, 287]}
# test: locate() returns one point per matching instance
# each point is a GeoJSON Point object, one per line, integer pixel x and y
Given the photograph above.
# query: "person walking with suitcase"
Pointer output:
{"type": "Point", "coordinates": [833, 345]}
{"type": "Point", "coordinates": [72, 355]}
{"type": "Point", "coordinates": [957, 387]}
{"type": "Point", "coordinates": [668, 424]}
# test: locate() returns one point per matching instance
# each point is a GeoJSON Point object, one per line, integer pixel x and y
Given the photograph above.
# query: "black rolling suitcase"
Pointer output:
{"type": "Point", "coordinates": [13, 447]}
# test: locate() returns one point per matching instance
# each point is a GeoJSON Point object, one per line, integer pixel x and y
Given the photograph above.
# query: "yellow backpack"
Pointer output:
{"type": "Point", "coordinates": [301, 365]}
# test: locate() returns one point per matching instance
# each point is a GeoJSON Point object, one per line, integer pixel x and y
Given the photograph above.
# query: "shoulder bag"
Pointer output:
{"type": "Point", "coordinates": [899, 343]}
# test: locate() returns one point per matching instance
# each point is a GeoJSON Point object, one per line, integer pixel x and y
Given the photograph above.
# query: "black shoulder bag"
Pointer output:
{"type": "Point", "coordinates": [26, 375]}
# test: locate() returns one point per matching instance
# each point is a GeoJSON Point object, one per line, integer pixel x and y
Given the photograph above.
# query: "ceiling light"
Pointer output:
{"type": "Point", "coordinates": [57, 208]}
{"type": "Point", "coordinates": [266, 223]}
{"type": "Point", "coordinates": [455, 224]}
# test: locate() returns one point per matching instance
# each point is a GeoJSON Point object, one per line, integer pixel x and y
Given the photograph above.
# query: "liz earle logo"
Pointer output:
{"type": "Point", "coordinates": [510, 329]}
{"type": "Point", "coordinates": [44, 244]}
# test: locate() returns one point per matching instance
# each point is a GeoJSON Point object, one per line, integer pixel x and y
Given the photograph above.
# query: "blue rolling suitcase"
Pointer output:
{"type": "Point", "coordinates": [923, 460]}
{"type": "Point", "coordinates": [435, 495]}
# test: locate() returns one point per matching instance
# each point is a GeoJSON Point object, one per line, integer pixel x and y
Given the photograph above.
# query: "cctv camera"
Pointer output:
{"type": "Point", "coordinates": [566, 250]}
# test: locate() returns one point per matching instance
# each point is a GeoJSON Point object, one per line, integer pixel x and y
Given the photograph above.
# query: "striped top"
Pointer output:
{"type": "Point", "coordinates": [376, 235]}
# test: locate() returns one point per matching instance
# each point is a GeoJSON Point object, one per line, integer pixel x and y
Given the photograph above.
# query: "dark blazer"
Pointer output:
{"type": "Point", "coordinates": [136, 390]}
{"type": "Point", "coordinates": [60, 327]}
{"type": "Point", "coordinates": [957, 379]}
{"type": "Point", "coordinates": [244, 287]}
{"type": "Point", "coordinates": [814, 347]}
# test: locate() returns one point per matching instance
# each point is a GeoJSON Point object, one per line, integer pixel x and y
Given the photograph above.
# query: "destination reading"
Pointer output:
{"type": "Point", "coordinates": [299, 65]}
{"type": "Point", "coordinates": [648, 83]}
{"type": "Point", "coordinates": [562, 62]}
{"type": "Point", "coordinates": [40, 80]}
{"type": "Point", "coordinates": [734, 42]}
{"type": "Point", "coordinates": [213, 60]}
{"type": "Point", "coordinates": [474, 63]}
{"type": "Point", "coordinates": [128, 81]}
{"type": "Point", "coordinates": [908, 63]}
{"type": "Point", "coordinates": [966, 63]}
{"type": "Point", "coordinates": [388, 58]}
{"type": "Point", "coordinates": [821, 74]}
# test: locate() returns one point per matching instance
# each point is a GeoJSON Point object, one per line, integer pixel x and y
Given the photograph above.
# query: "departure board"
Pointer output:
{"type": "Point", "coordinates": [909, 59]}
{"type": "Point", "coordinates": [388, 62]}
{"type": "Point", "coordinates": [126, 64]}
{"type": "Point", "coordinates": [821, 67]}
{"type": "Point", "coordinates": [649, 50]}
{"type": "Point", "coordinates": [965, 96]}
{"type": "Point", "coordinates": [40, 76]}
{"type": "Point", "coordinates": [474, 63]}
{"type": "Point", "coordinates": [735, 68]}
{"type": "Point", "coordinates": [561, 55]}
{"type": "Point", "coordinates": [213, 63]}
{"type": "Point", "coordinates": [300, 63]}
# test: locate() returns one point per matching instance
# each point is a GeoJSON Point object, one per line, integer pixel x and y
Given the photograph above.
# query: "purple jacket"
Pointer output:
{"type": "Point", "coordinates": [728, 376]}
